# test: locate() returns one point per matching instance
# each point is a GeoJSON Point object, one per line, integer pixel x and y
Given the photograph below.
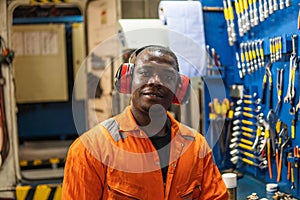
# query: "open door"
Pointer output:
{"type": "Point", "coordinates": [44, 67]}
{"type": "Point", "coordinates": [103, 58]}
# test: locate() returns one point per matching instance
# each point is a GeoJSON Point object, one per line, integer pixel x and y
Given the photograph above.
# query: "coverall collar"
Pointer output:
{"type": "Point", "coordinates": [128, 123]}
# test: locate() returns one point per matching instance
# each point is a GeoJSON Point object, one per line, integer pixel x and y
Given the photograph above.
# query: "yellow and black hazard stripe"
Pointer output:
{"type": "Point", "coordinates": [39, 192]}
{"type": "Point", "coordinates": [48, 1]}
{"type": "Point", "coordinates": [39, 162]}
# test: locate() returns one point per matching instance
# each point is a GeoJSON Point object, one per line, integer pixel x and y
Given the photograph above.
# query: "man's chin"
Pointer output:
{"type": "Point", "coordinates": [154, 108]}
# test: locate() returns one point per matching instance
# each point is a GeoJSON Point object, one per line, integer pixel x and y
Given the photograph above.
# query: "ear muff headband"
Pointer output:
{"type": "Point", "coordinates": [137, 51]}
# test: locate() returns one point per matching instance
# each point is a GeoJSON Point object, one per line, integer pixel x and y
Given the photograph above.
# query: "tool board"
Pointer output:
{"type": "Point", "coordinates": [259, 137]}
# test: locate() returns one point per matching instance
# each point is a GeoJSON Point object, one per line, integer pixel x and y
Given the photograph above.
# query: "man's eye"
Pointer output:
{"type": "Point", "coordinates": [169, 78]}
{"type": "Point", "coordinates": [145, 73]}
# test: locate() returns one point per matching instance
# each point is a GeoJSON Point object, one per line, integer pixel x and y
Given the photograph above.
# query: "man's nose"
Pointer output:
{"type": "Point", "coordinates": [155, 78]}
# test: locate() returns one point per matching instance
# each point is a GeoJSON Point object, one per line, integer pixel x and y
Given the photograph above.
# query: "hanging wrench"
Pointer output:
{"type": "Point", "coordinates": [293, 65]}
{"type": "Point", "coordinates": [239, 66]}
{"type": "Point", "coordinates": [255, 13]}
{"type": "Point", "coordinates": [292, 92]}
{"type": "Point", "coordinates": [266, 9]}
{"type": "Point", "coordinates": [288, 3]}
{"type": "Point", "coordinates": [261, 52]}
{"type": "Point", "coordinates": [243, 17]}
{"type": "Point", "coordinates": [231, 20]}
{"type": "Point", "coordinates": [288, 94]}
{"type": "Point", "coordinates": [271, 9]}
{"type": "Point", "coordinates": [255, 60]}
{"type": "Point", "coordinates": [271, 41]}
{"type": "Point", "coordinates": [248, 64]}
{"type": "Point", "coordinates": [281, 4]}
{"type": "Point", "coordinates": [239, 18]}
{"type": "Point", "coordinates": [257, 54]}
{"type": "Point", "coordinates": [280, 46]}
{"type": "Point", "coordinates": [279, 87]}
{"type": "Point", "coordinates": [298, 104]}
{"type": "Point", "coordinates": [243, 59]}
{"type": "Point", "coordinates": [261, 11]}
{"type": "Point", "coordinates": [229, 31]}
{"type": "Point", "coordinates": [249, 51]}
{"type": "Point", "coordinates": [275, 5]}
{"type": "Point", "coordinates": [251, 13]}
{"type": "Point", "coordinates": [246, 14]}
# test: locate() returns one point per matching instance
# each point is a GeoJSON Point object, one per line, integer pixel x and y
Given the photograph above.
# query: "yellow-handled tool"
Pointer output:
{"type": "Point", "coordinates": [244, 146]}
{"type": "Point", "coordinates": [248, 142]}
{"type": "Point", "coordinates": [247, 122]}
{"type": "Point", "coordinates": [250, 130]}
{"type": "Point", "coordinates": [267, 137]}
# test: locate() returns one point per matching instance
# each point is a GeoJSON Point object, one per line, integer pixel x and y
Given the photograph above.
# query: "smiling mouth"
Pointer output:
{"type": "Point", "coordinates": [153, 95]}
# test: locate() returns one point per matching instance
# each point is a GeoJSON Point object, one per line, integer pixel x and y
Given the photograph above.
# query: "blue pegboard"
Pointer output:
{"type": "Point", "coordinates": [281, 23]}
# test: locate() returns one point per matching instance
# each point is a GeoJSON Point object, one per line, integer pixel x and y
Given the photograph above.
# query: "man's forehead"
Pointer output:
{"type": "Point", "coordinates": [156, 56]}
{"type": "Point", "coordinates": [160, 69]}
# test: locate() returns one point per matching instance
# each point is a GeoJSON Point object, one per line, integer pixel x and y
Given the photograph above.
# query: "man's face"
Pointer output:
{"type": "Point", "coordinates": [155, 79]}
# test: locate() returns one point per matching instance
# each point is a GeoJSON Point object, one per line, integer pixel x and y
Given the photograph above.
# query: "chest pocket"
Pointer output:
{"type": "Point", "coordinates": [189, 191]}
{"type": "Point", "coordinates": [119, 189]}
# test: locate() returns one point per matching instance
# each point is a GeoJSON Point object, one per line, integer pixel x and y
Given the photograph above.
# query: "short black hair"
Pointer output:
{"type": "Point", "coordinates": [154, 48]}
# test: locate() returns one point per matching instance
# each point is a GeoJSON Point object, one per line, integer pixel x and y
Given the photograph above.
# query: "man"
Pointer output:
{"type": "Point", "coordinates": [144, 153]}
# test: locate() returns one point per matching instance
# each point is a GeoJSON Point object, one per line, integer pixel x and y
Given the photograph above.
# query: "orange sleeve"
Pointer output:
{"type": "Point", "coordinates": [213, 187]}
{"type": "Point", "coordinates": [83, 174]}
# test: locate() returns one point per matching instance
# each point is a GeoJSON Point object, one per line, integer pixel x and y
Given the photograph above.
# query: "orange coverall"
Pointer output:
{"type": "Point", "coordinates": [116, 160]}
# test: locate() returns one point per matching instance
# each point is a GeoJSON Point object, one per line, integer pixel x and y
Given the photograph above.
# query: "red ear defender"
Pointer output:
{"type": "Point", "coordinates": [183, 91]}
{"type": "Point", "coordinates": [123, 78]}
